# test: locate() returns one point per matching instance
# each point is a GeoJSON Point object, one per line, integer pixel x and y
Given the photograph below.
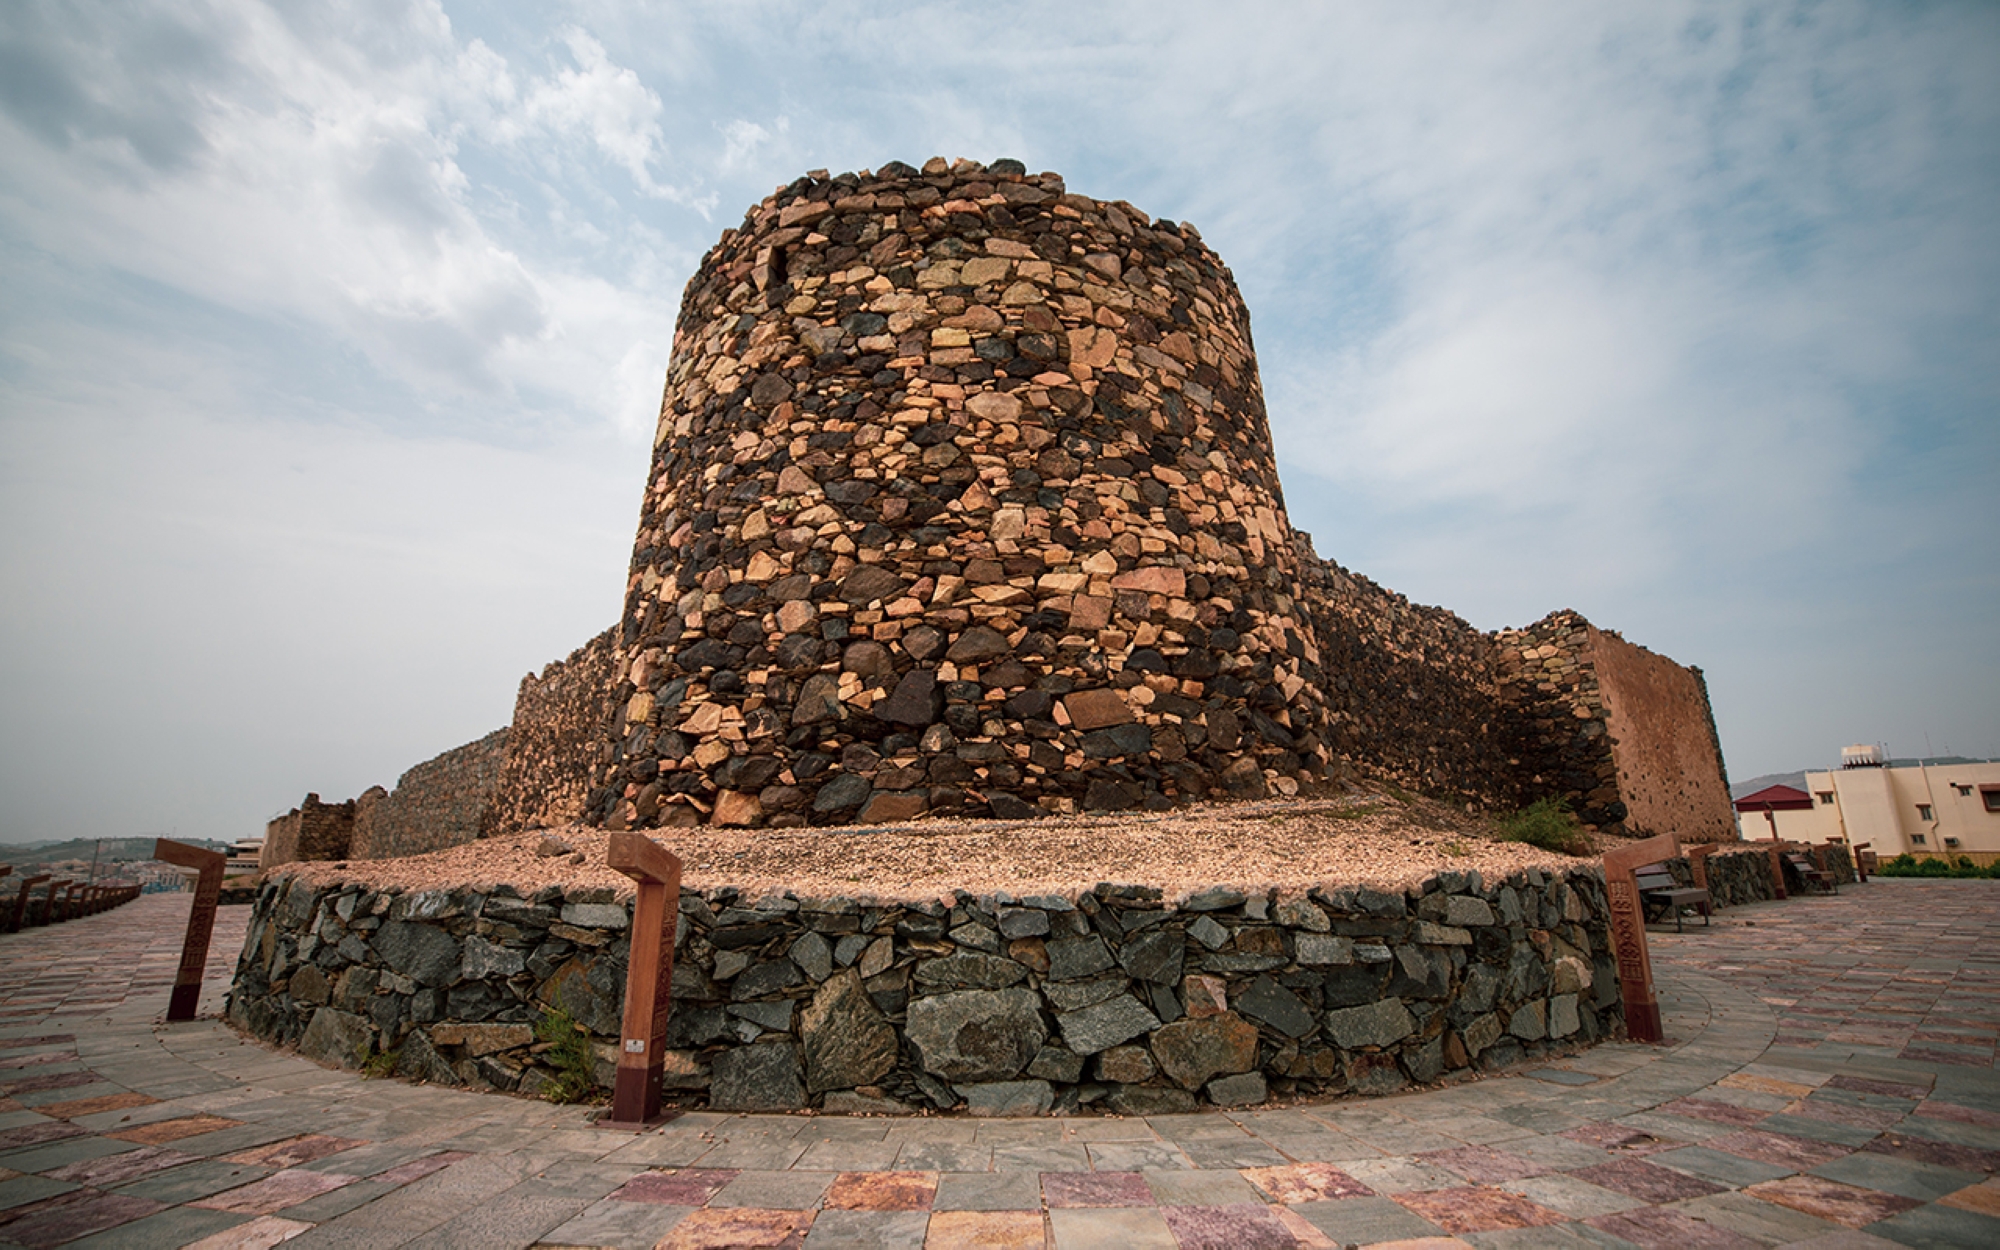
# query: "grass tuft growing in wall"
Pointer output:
{"type": "Point", "coordinates": [1549, 825]}
{"type": "Point", "coordinates": [570, 1055]}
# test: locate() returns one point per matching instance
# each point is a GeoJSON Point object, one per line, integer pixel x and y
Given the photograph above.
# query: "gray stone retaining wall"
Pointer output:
{"type": "Point", "coordinates": [1002, 1005]}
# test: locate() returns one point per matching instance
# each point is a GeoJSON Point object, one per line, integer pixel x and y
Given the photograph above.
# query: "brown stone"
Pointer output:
{"type": "Point", "coordinates": [891, 807]}
{"type": "Point", "coordinates": [733, 807]}
{"type": "Point", "coordinates": [1096, 709]}
{"type": "Point", "coordinates": [1154, 580]}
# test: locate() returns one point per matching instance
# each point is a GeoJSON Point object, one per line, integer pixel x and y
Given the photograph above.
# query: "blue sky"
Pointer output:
{"type": "Point", "coordinates": [332, 335]}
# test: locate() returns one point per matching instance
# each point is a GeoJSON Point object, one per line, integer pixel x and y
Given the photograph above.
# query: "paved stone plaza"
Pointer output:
{"type": "Point", "coordinates": [1829, 1080]}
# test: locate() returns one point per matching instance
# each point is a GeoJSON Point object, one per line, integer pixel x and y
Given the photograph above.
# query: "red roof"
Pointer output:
{"type": "Point", "coordinates": [1775, 798]}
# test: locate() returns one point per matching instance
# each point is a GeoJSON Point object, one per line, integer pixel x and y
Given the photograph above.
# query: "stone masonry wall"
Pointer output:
{"type": "Point", "coordinates": [962, 501]}
{"type": "Point", "coordinates": [1001, 1005]}
{"type": "Point", "coordinates": [1413, 691]}
{"type": "Point", "coordinates": [552, 744]}
{"type": "Point", "coordinates": [311, 831]}
{"type": "Point", "coordinates": [436, 804]}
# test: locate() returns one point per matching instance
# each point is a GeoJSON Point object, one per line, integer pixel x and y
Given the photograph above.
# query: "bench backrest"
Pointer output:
{"type": "Point", "coordinates": [1654, 877]}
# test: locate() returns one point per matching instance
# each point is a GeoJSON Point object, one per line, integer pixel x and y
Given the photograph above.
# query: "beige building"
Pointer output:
{"type": "Point", "coordinates": [1919, 807]}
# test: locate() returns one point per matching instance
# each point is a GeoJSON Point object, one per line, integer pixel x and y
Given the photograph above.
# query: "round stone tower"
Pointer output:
{"type": "Point", "coordinates": [962, 502]}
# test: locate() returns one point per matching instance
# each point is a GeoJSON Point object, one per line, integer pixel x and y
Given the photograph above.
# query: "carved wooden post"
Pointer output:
{"type": "Point", "coordinates": [201, 920]}
{"type": "Point", "coordinates": [1860, 865]}
{"type": "Point", "coordinates": [56, 890]}
{"type": "Point", "coordinates": [1697, 857]}
{"type": "Point", "coordinates": [1628, 933]}
{"type": "Point", "coordinates": [649, 976]}
{"type": "Point", "coordinates": [1777, 869]}
{"type": "Point", "coordinates": [28, 885]}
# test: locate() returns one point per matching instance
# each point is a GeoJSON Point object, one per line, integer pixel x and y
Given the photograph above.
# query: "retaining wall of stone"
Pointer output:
{"type": "Point", "coordinates": [552, 744]}
{"type": "Point", "coordinates": [1111, 998]}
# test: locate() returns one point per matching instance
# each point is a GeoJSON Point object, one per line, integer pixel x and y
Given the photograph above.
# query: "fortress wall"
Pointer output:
{"type": "Point", "coordinates": [311, 831]}
{"type": "Point", "coordinates": [962, 500]}
{"type": "Point", "coordinates": [1669, 764]}
{"type": "Point", "coordinates": [552, 744]}
{"type": "Point", "coordinates": [1412, 691]}
{"type": "Point", "coordinates": [436, 804]}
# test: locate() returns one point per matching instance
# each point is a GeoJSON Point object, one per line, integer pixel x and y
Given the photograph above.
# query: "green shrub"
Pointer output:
{"type": "Point", "coordinates": [570, 1055]}
{"type": "Point", "coordinates": [1549, 825]}
{"type": "Point", "coordinates": [1907, 865]}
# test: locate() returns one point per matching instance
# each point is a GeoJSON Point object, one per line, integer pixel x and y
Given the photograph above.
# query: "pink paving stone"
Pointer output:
{"type": "Point", "coordinates": [92, 1106]}
{"type": "Point", "coordinates": [1941, 1153]}
{"type": "Point", "coordinates": [117, 1169]}
{"type": "Point", "coordinates": [1478, 1209]}
{"type": "Point", "coordinates": [1306, 1182]}
{"type": "Point", "coordinates": [1635, 1178]}
{"type": "Point", "coordinates": [1932, 1109]}
{"type": "Point", "coordinates": [710, 1229]}
{"type": "Point", "coordinates": [36, 1134]}
{"type": "Point", "coordinates": [75, 1215]}
{"type": "Point", "coordinates": [1668, 1229]}
{"type": "Point", "coordinates": [160, 1132]}
{"type": "Point", "coordinates": [1483, 1165]}
{"type": "Point", "coordinates": [1925, 1054]}
{"type": "Point", "coordinates": [881, 1191]}
{"type": "Point", "coordinates": [1865, 1085]}
{"type": "Point", "coordinates": [417, 1169]}
{"type": "Point", "coordinates": [293, 1151]}
{"type": "Point", "coordinates": [1239, 1226]}
{"type": "Point", "coordinates": [1713, 1112]}
{"type": "Point", "coordinates": [1618, 1138]}
{"type": "Point", "coordinates": [1095, 1189]}
{"type": "Point", "coordinates": [46, 1039]}
{"type": "Point", "coordinates": [1830, 1200]}
{"type": "Point", "coordinates": [1796, 1153]}
{"type": "Point", "coordinates": [50, 1080]}
{"type": "Point", "coordinates": [685, 1187]}
{"type": "Point", "coordinates": [275, 1192]}
{"type": "Point", "coordinates": [16, 1062]}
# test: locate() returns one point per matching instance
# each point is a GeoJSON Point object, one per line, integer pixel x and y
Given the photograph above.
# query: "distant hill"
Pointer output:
{"type": "Point", "coordinates": [84, 848]}
{"type": "Point", "coordinates": [1796, 781]}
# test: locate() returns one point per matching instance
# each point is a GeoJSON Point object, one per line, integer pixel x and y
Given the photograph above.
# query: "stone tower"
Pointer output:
{"type": "Point", "coordinates": [962, 501]}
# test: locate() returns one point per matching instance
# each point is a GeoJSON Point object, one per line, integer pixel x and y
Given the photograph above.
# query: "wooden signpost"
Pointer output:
{"type": "Point", "coordinates": [649, 977]}
{"type": "Point", "coordinates": [1628, 933]}
{"type": "Point", "coordinates": [28, 885]}
{"type": "Point", "coordinates": [201, 920]}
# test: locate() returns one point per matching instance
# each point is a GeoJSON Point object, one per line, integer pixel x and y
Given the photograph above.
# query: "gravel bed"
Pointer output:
{"type": "Point", "coordinates": [1378, 839]}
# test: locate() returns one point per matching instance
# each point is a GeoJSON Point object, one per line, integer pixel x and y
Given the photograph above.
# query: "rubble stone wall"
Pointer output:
{"type": "Point", "coordinates": [436, 804]}
{"type": "Point", "coordinates": [311, 831]}
{"type": "Point", "coordinates": [962, 501]}
{"type": "Point", "coordinates": [552, 744]}
{"type": "Point", "coordinates": [1000, 1005]}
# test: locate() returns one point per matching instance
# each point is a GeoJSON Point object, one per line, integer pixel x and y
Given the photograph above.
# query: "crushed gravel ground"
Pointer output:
{"type": "Point", "coordinates": [1378, 839]}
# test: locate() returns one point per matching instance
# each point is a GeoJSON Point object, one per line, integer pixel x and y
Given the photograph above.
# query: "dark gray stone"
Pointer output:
{"type": "Point", "coordinates": [765, 979]}
{"type": "Point", "coordinates": [970, 971]}
{"type": "Point", "coordinates": [418, 1060]}
{"type": "Point", "coordinates": [1276, 1006]}
{"type": "Point", "coordinates": [976, 1035]}
{"type": "Point", "coordinates": [1155, 957]}
{"type": "Point", "coordinates": [1053, 1063]}
{"type": "Point", "coordinates": [1216, 899]}
{"type": "Point", "coordinates": [998, 1098]}
{"type": "Point", "coordinates": [1072, 958]}
{"type": "Point", "coordinates": [1106, 1024]}
{"type": "Point", "coordinates": [424, 953]}
{"type": "Point", "coordinates": [1381, 1023]}
{"type": "Point", "coordinates": [763, 1077]}
{"type": "Point", "coordinates": [845, 1040]}
{"type": "Point", "coordinates": [813, 956]}
{"type": "Point", "coordinates": [772, 1017]}
{"type": "Point", "coordinates": [1242, 1090]}
{"type": "Point", "coordinates": [843, 794]}
{"type": "Point", "coordinates": [336, 1036]}
{"type": "Point", "coordinates": [489, 959]}
{"type": "Point", "coordinates": [1021, 922]}
{"type": "Point", "coordinates": [1076, 995]}
{"type": "Point", "coordinates": [1150, 1100]}
{"type": "Point", "coordinates": [1208, 933]}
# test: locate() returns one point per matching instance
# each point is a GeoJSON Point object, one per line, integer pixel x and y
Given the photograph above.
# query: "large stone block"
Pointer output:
{"type": "Point", "coordinates": [846, 1041]}
{"type": "Point", "coordinates": [977, 1035]}
{"type": "Point", "coordinates": [763, 1077]}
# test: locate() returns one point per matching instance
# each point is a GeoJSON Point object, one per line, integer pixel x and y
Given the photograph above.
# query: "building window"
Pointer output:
{"type": "Point", "coordinates": [1964, 792]}
{"type": "Point", "coordinates": [1916, 839]}
{"type": "Point", "coordinates": [1992, 796]}
{"type": "Point", "coordinates": [1826, 798]}
{"type": "Point", "coordinates": [1924, 811]}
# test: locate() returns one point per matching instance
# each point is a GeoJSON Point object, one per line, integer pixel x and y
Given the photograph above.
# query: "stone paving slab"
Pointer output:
{"type": "Point", "coordinates": [1829, 1080]}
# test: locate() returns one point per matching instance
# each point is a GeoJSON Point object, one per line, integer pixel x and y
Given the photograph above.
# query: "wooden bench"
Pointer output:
{"type": "Point", "coordinates": [1657, 886]}
{"type": "Point", "coordinates": [1812, 874]}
